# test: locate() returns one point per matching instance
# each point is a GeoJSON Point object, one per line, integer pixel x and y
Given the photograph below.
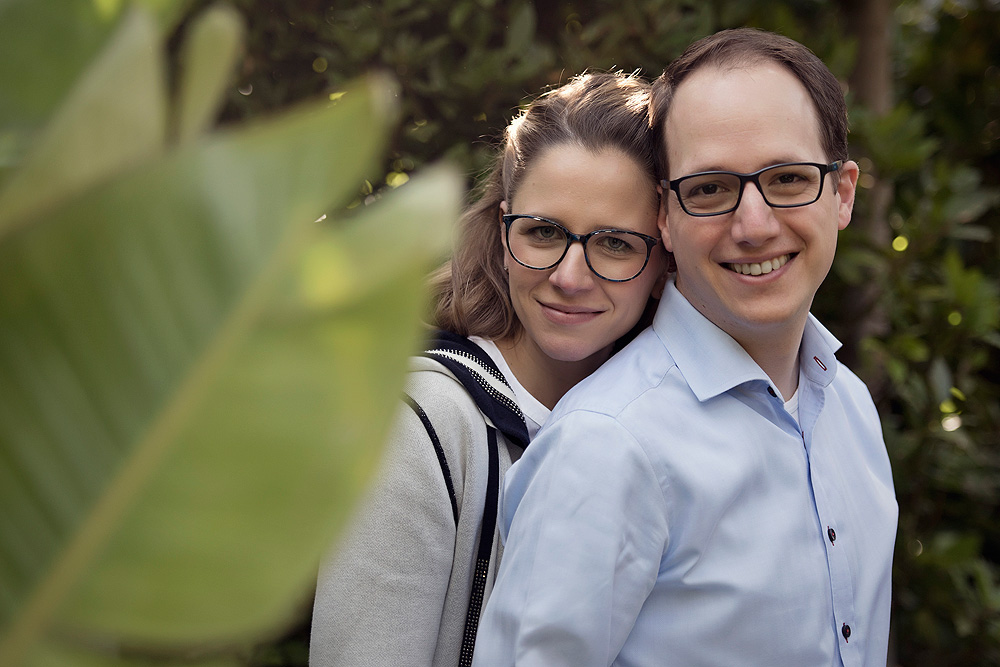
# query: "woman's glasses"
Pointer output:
{"type": "Point", "coordinates": [617, 255]}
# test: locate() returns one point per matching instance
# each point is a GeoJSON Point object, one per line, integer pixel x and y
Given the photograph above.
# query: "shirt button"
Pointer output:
{"type": "Point", "coordinates": [770, 390]}
{"type": "Point", "coordinates": [832, 534]}
{"type": "Point", "coordinates": [846, 631]}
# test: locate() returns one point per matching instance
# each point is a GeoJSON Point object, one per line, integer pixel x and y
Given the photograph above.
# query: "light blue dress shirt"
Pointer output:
{"type": "Point", "coordinates": [671, 512]}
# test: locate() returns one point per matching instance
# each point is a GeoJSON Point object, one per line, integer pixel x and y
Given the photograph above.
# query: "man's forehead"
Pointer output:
{"type": "Point", "coordinates": [756, 80]}
{"type": "Point", "coordinates": [725, 109]}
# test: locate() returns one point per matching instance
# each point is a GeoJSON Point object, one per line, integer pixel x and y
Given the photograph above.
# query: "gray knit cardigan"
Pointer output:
{"type": "Point", "coordinates": [395, 590]}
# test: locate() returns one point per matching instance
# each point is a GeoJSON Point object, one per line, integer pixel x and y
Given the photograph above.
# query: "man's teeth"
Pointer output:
{"type": "Point", "coordinates": [760, 269]}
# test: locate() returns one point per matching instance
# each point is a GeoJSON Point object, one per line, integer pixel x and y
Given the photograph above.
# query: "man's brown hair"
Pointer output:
{"type": "Point", "coordinates": [744, 47]}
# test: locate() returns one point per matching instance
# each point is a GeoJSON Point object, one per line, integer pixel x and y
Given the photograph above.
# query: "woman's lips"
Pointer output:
{"type": "Point", "coordinates": [561, 314]}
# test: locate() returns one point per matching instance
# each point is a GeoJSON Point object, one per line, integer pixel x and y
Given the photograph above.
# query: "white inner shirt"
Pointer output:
{"type": "Point", "coordinates": [792, 404]}
{"type": "Point", "coordinates": [534, 412]}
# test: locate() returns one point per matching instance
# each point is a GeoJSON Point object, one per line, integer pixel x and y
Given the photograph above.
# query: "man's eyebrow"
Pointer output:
{"type": "Point", "coordinates": [770, 163]}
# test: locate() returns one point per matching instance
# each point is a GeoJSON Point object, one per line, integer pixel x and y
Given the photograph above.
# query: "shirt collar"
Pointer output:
{"type": "Point", "coordinates": [816, 356]}
{"type": "Point", "coordinates": [712, 362]}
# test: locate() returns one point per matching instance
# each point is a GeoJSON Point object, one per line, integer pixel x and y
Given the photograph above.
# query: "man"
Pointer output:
{"type": "Point", "coordinates": [719, 492]}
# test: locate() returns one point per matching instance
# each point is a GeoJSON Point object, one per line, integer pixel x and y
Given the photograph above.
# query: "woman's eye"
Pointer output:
{"type": "Point", "coordinates": [545, 232]}
{"type": "Point", "coordinates": [616, 243]}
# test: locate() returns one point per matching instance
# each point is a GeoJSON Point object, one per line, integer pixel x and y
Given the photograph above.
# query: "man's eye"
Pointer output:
{"type": "Point", "coordinates": [705, 190]}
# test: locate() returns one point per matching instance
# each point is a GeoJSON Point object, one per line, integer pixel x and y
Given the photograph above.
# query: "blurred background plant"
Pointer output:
{"type": "Point", "coordinates": [202, 334]}
{"type": "Point", "coordinates": [915, 290]}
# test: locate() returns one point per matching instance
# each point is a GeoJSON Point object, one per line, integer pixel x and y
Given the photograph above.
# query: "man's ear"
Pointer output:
{"type": "Point", "coordinates": [847, 185]}
{"type": "Point", "coordinates": [661, 218]}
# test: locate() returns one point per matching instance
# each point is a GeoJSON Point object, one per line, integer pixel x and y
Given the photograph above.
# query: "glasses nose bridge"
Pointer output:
{"type": "Point", "coordinates": [572, 238]}
{"type": "Point", "coordinates": [750, 178]}
{"type": "Point", "coordinates": [582, 239]}
{"type": "Point", "coordinates": [567, 272]}
{"type": "Point", "coordinates": [746, 179]}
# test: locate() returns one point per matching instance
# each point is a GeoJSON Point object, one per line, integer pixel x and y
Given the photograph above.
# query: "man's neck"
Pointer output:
{"type": "Point", "coordinates": [779, 359]}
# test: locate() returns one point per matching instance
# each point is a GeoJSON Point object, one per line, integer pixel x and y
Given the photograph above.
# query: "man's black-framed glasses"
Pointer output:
{"type": "Point", "coordinates": [616, 255]}
{"type": "Point", "coordinates": [785, 185]}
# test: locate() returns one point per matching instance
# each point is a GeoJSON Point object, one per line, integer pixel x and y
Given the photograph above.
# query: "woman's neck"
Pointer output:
{"type": "Point", "coordinates": [545, 378]}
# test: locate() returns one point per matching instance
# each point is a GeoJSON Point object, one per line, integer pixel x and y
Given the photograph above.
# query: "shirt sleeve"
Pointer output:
{"type": "Point", "coordinates": [585, 525]}
{"type": "Point", "coordinates": [379, 598]}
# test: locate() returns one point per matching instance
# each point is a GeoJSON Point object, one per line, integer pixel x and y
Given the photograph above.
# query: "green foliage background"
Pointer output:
{"type": "Point", "coordinates": [929, 349]}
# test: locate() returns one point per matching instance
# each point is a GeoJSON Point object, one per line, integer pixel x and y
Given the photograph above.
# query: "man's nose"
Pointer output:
{"type": "Point", "coordinates": [754, 222]}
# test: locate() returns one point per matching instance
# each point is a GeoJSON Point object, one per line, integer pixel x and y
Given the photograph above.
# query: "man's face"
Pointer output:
{"type": "Point", "coordinates": [743, 120]}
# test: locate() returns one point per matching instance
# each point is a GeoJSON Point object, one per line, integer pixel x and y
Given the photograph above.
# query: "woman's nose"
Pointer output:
{"type": "Point", "coordinates": [573, 274]}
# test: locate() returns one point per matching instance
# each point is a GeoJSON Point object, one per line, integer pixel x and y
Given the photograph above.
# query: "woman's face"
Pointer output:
{"type": "Point", "coordinates": [568, 313]}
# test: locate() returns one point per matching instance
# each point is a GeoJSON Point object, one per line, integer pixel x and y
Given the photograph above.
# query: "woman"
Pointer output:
{"type": "Point", "coordinates": [529, 312]}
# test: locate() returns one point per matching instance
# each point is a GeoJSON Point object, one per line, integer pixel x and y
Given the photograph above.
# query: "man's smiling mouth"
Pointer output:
{"type": "Point", "coordinates": [761, 268]}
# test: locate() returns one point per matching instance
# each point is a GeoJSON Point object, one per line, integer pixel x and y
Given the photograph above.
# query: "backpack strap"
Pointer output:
{"type": "Point", "coordinates": [495, 399]}
{"type": "Point", "coordinates": [439, 450]}
{"type": "Point", "coordinates": [484, 382]}
{"type": "Point", "coordinates": [484, 553]}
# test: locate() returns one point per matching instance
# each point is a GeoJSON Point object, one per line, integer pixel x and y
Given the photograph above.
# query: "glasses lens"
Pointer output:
{"type": "Point", "coordinates": [617, 255]}
{"type": "Point", "coordinates": [704, 194]}
{"type": "Point", "coordinates": [536, 243]}
{"type": "Point", "coordinates": [791, 184]}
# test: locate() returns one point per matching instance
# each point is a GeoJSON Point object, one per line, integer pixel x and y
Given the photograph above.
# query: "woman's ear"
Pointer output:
{"type": "Point", "coordinates": [503, 212]}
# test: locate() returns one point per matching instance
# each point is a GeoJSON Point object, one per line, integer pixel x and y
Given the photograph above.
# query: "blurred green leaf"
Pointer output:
{"type": "Point", "coordinates": [55, 40]}
{"type": "Point", "coordinates": [281, 442]}
{"type": "Point", "coordinates": [167, 12]}
{"type": "Point", "coordinates": [185, 397]}
{"type": "Point", "coordinates": [58, 38]}
{"type": "Point", "coordinates": [912, 348]}
{"type": "Point", "coordinates": [940, 379]}
{"type": "Point", "coordinates": [521, 31]}
{"type": "Point", "coordinates": [63, 656]}
{"type": "Point", "coordinates": [114, 118]}
{"type": "Point", "coordinates": [896, 141]}
{"type": "Point", "coordinates": [208, 57]}
{"type": "Point", "coordinates": [969, 199]}
{"type": "Point", "coordinates": [950, 548]}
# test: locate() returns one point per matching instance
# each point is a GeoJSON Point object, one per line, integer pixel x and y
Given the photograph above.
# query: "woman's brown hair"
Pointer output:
{"type": "Point", "coordinates": [597, 111]}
